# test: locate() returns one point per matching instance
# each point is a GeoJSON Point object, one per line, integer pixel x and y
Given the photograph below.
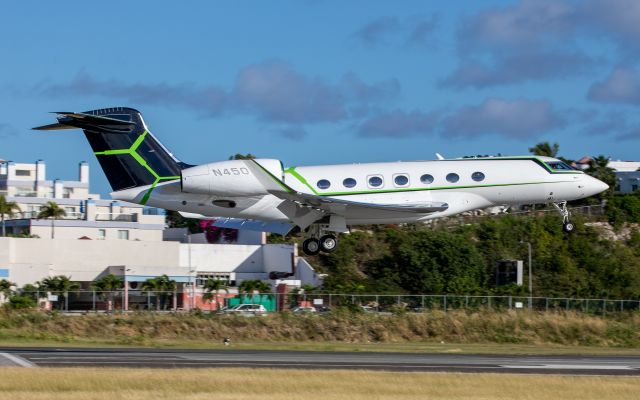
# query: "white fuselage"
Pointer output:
{"type": "Point", "coordinates": [498, 181]}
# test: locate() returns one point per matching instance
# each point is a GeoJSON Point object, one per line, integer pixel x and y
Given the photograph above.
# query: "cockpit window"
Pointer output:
{"type": "Point", "coordinates": [558, 166]}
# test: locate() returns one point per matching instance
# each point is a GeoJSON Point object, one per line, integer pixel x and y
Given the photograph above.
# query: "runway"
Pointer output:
{"type": "Point", "coordinates": [230, 358]}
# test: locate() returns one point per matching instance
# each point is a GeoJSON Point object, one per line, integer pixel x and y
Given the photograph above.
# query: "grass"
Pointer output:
{"type": "Point", "coordinates": [241, 384]}
{"type": "Point", "coordinates": [457, 331]}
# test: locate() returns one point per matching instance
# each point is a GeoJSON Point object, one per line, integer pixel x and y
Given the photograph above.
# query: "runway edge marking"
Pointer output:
{"type": "Point", "coordinates": [18, 360]}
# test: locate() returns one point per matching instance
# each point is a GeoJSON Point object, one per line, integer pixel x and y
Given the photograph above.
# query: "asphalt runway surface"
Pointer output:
{"type": "Point", "coordinates": [229, 358]}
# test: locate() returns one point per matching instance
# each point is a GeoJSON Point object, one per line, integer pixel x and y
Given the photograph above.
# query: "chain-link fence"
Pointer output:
{"type": "Point", "coordinates": [131, 300]}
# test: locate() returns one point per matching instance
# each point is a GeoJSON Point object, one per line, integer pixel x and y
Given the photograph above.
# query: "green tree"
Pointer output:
{"type": "Point", "coordinates": [212, 287]}
{"type": "Point", "coordinates": [7, 209]}
{"type": "Point", "coordinates": [5, 287]}
{"type": "Point", "coordinates": [21, 301]}
{"type": "Point", "coordinates": [51, 211]}
{"type": "Point", "coordinates": [60, 285]}
{"type": "Point", "coordinates": [30, 290]}
{"type": "Point", "coordinates": [106, 288]}
{"type": "Point", "coordinates": [162, 287]}
{"type": "Point", "coordinates": [433, 262]}
{"type": "Point", "coordinates": [545, 149]}
{"type": "Point", "coordinates": [175, 220]}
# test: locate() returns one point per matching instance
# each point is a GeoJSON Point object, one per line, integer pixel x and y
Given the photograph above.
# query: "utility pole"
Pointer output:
{"type": "Point", "coordinates": [530, 275]}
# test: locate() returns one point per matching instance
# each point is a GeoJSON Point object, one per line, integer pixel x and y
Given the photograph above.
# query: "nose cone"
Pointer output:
{"type": "Point", "coordinates": [594, 186]}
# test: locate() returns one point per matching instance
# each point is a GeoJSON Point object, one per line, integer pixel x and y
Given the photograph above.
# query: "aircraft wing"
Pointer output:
{"type": "Point", "coordinates": [304, 208]}
{"type": "Point", "coordinates": [281, 228]}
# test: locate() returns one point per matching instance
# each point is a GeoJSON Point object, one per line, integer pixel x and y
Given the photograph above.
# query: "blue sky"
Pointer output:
{"type": "Point", "coordinates": [318, 82]}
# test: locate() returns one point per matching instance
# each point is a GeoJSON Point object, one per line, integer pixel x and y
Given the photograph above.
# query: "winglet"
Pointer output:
{"type": "Point", "coordinates": [439, 157]}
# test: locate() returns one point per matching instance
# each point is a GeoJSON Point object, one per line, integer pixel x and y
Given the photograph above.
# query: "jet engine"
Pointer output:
{"type": "Point", "coordinates": [228, 178]}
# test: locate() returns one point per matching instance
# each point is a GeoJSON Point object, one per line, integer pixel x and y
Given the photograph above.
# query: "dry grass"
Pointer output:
{"type": "Point", "coordinates": [240, 384]}
{"type": "Point", "coordinates": [523, 328]}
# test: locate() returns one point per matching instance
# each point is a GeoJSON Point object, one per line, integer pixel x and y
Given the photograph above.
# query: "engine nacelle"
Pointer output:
{"type": "Point", "coordinates": [228, 178]}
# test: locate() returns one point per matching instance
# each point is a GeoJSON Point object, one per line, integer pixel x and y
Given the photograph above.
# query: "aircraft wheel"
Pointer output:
{"type": "Point", "coordinates": [328, 243]}
{"type": "Point", "coordinates": [568, 227]}
{"type": "Point", "coordinates": [311, 247]}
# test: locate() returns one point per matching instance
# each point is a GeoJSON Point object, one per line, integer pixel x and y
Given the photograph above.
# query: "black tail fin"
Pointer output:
{"type": "Point", "coordinates": [128, 153]}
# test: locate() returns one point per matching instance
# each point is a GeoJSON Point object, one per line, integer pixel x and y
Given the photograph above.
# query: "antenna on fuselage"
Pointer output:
{"type": "Point", "coordinates": [439, 156]}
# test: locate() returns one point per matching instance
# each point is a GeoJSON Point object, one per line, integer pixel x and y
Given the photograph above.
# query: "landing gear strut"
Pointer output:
{"type": "Point", "coordinates": [567, 225]}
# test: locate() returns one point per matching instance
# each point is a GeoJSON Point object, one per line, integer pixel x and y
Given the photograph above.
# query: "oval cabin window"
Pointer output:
{"type": "Point", "coordinates": [453, 178]}
{"type": "Point", "coordinates": [349, 182]}
{"type": "Point", "coordinates": [426, 179]}
{"type": "Point", "coordinates": [323, 184]}
{"type": "Point", "coordinates": [401, 180]}
{"type": "Point", "coordinates": [375, 181]}
{"type": "Point", "coordinates": [477, 176]}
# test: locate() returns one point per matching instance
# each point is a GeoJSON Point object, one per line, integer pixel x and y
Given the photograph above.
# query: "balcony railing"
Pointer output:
{"type": "Point", "coordinates": [117, 217]}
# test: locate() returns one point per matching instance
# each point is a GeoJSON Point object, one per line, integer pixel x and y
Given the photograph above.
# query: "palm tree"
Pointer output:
{"type": "Point", "coordinates": [5, 287]}
{"type": "Point", "coordinates": [106, 286]}
{"type": "Point", "coordinates": [7, 208]}
{"type": "Point", "coordinates": [213, 287]}
{"type": "Point", "coordinates": [545, 149]}
{"type": "Point", "coordinates": [160, 285]}
{"type": "Point", "coordinates": [598, 168]}
{"type": "Point", "coordinates": [52, 211]}
{"type": "Point", "coordinates": [251, 286]}
{"type": "Point", "coordinates": [62, 285]}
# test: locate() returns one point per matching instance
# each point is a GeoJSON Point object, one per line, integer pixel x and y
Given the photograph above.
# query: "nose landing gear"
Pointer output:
{"type": "Point", "coordinates": [567, 225]}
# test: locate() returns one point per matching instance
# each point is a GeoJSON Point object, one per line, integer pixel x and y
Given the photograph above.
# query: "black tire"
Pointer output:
{"type": "Point", "coordinates": [311, 247]}
{"type": "Point", "coordinates": [568, 227]}
{"type": "Point", "coordinates": [328, 243]}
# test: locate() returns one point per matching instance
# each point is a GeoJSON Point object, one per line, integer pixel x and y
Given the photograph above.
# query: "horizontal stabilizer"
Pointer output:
{"type": "Point", "coordinates": [70, 120]}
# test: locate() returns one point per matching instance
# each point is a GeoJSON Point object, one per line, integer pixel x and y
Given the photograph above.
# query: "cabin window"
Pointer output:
{"type": "Point", "coordinates": [349, 182]}
{"type": "Point", "coordinates": [453, 178]}
{"type": "Point", "coordinates": [401, 180]}
{"type": "Point", "coordinates": [477, 176]}
{"type": "Point", "coordinates": [375, 181]}
{"type": "Point", "coordinates": [559, 166]}
{"type": "Point", "coordinates": [323, 184]}
{"type": "Point", "coordinates": [426, 179]}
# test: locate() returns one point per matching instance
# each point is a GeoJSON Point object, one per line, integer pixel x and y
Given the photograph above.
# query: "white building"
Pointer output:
{"type": "Point", "coordinates": [27, 260]}
{"type": "Point", "coordinates": [627, 173]}
{"type": "Point", "coordinates": [87, 216]}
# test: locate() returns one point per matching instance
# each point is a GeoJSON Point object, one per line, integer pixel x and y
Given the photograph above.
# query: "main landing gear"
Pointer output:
{"type": "Point", "coordinates": [567, 225]}
{"type": "Point", "coordinates": [328, 243]}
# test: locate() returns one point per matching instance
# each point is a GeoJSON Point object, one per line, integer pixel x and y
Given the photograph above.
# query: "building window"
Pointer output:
{"type": "Point", "coordinates": [323, 184]}
{"type": "Point", "coordinates": [453, 178]}
{"type": "Point", "coordinates": [102, 234]}
{"type": "Point", "coordinates": [23, 172]}
{"type": "Point", "coordinates": [401, 180]}
{"type": "Point", "coordinates": [634, 188]}
{"type": "Point", "coordinates": [202, 278]}
{"type": "Point", "coordinates": [349, 182]}
{"type": "Point", "coordinates": [426, 179]}
{"type": "Point", "coordinates": [123, 234]}
{"type": "Point", "coordinates": [375, 181]}
{"type": "Point", "coordinates": [477, 176]}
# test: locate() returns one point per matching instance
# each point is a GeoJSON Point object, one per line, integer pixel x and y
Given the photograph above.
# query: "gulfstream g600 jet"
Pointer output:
{"type": "Point", "coordinates": [260, 194]}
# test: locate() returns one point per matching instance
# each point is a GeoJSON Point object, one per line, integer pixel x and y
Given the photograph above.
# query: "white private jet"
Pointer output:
{"type": "Point", "coordinates": [259, 194]}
